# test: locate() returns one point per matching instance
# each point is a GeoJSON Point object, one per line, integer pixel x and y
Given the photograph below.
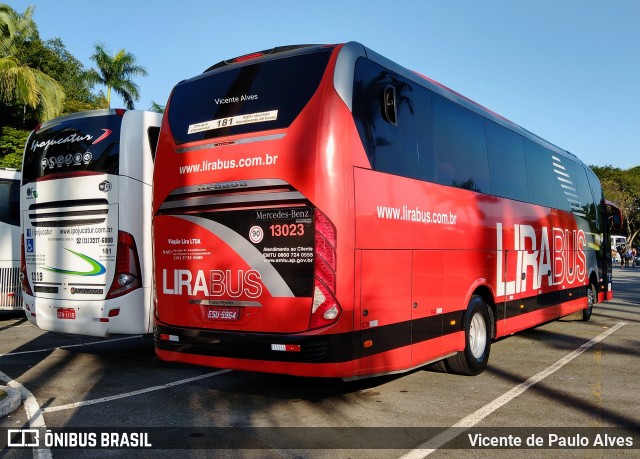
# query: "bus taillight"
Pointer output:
{"type": "Point", "coordinates": [24, 278]}
{"type": "Point", "coordinates": [325, 309]}
{"type": "Point", "coordinates": [128, 274]}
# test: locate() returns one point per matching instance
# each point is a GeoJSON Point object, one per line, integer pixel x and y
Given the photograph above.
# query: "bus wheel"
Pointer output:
{"type": "Point", "coordinates": [477, 335]}
{"type": "Point", "coordinates": [591, 300]}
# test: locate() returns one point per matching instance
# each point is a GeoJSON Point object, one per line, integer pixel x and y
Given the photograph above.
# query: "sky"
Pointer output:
{"type": "Point", "coordinates": [567, 70]}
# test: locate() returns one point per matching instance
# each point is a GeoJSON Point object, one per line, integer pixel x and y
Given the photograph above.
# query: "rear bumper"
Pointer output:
{"type": "Point", "coordinates": [327, 355]}
{"type": "Point", "coordinates": [92, 317]}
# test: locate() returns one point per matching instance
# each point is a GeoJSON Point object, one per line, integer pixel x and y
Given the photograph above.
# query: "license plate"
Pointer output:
{"type": "Point", "coordinates": [229, 314]}
{"type": "Point", "coordinates": [66, 313]}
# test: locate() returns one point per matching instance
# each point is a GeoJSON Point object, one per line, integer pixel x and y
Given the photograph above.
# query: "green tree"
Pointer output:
{"type": "Point", "coordinates": [20, 83]}
{"type": "Point", "coordinates": [12, 143]}
{"type": "Point", "coordinates": [623, 188]}
{"type": "Point", "coordinates": [115, 73]}
{"type": "Point", "coordinates": [52, 58]}
{"type": "Point", "coordinates": [156, 107]}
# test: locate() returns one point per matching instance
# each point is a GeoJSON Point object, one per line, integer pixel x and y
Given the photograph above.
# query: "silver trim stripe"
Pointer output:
{"type": "Point", "coordinates": [78, 215]}
{"type": "Point", "coordinates": [217, 200]}
{"type": "Point", "coordinates": [231, 142]}
{"type": "Point", "coordinates": [229, 186]}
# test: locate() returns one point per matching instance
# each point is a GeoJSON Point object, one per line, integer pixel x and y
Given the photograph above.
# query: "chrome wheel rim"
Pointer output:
{"type": "Point", "coordinates": [477, 336]}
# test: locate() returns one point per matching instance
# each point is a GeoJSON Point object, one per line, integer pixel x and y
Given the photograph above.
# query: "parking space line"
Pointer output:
{"type": "Point", "coordinates": [468, 422]}
{"type": "Point", "coordinates": [32, 410]}
{"type": "Point", "coordinates": [35, 351]}
{"type": "Point", "coordinates": [131, 394]}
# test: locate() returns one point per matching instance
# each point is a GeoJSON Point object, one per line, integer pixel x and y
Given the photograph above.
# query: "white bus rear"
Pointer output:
{"type": "Point", "coordinates": [86, 220]}
{"type": "Point", "coordinates": [10, 297]}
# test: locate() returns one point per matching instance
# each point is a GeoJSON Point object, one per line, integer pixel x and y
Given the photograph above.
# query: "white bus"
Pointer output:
{"type": "Point", "coordinates": [10, 297]}
{"type": "Point", "coordinates": [86, 222]}
{"type": "Point", "coordinates": [617, 241]}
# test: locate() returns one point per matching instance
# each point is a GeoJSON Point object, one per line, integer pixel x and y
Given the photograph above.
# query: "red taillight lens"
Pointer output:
{"type": "Point", "coordinates": [247, 57]}
{"type": "Point", "coordinates": [325, 309]}
{"type": "Point", "coordinates": [24, 278]}
{"type": "Point", "coordinates": [128, 275]}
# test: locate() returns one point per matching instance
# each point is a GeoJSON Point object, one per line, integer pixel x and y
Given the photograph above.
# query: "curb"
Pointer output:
{"type": "Point", "coordinates": [11, 402]}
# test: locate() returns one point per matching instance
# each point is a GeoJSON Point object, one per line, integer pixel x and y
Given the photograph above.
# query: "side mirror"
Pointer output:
{"type": "Point", "coordinates": [389, 107]}
{"type": "Point", "coordinates": [615, 216]}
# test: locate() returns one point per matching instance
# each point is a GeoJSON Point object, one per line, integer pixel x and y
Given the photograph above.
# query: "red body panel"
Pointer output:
{"type": "Point", "coordinates": [410, 254]}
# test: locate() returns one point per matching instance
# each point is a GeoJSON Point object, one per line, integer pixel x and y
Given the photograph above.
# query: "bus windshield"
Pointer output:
{"type": "Point", "coordinates": [255, 97]}
{"type": "Point", "coordinates": [88, 144]}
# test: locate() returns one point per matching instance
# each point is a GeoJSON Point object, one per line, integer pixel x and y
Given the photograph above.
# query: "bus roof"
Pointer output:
{"type": "Point", "coordinates": [10, 173]}
{"type": "Point", "coordinates": [77, 115]}
{"type": "Point", "coordinates": [343, 81]}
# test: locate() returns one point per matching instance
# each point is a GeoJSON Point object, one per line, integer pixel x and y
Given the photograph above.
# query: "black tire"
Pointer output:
{"type": "Point", "coordinates": [591, 300]}
{"type": "Point", "coordinates": [477, 336]}
{"type": "Point", "coordinates": [439, 367]}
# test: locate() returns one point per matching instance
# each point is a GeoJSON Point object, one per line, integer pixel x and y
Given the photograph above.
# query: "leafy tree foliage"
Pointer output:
{"type": "Point", "coordinates": [52, 57]}
{"type": "Point", "coordinates": [623, 188]}
{"type": "Point", "coordinates": [42, 79]}
{"type": "Point", "coordinates": [20, 83]}
{"type": "Point", "coordinates": [12, 143]}
{"type": "Point", "coordinates": [156, 107]}
{"type": "Point", "coordinates": [115, 73]}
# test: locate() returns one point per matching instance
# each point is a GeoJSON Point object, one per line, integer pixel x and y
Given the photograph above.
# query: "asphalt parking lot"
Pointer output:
{"type": "Point", "coordinates": [566, 382]}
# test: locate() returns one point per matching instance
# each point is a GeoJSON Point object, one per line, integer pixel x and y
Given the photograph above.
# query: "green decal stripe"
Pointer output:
{"type": "Point", "coordinates": [97, 267]}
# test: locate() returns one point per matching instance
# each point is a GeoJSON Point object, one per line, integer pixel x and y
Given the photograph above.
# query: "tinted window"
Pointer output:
{"type": "Point", "coordinates": [507, 171]}
{"type": "Point", "coordinates": [551, 178]}
{"type": "Point", "coordinates": [83, 144]}
{"type": "Point", "coordinates": [10, 202]}
{"type": "Point", "coordinates": [256, 97]}
{"type": "Point", "coordinates": [596, 190]}
{"type": "Point", "coordinates": [576, 188]}
{"type": "Point", "coordinates": [460, 146]}
{"type": "Point", "coordinates": [153, 133]}
{"type": "Point", "coordinates": [404, 148]}
{"type": "Point", "coordinates": [433, 139]}
{"type": "Point", "coordinates": [539, 174]}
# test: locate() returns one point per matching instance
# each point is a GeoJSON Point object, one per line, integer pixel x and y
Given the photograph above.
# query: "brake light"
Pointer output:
{"type": "Point", "coordinates": [325, 309]}
{"type": "Point", "coordinates": [24, 278]}
{"type": "Point", "coordinates": [128, 275]}
{"type": "Point", "coordinates": [247, 57]}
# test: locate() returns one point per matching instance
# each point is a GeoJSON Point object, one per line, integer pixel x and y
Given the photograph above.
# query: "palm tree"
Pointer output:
{"type": "Point", "coordinates": [116, 73]}
{"type": "Point", "coordinates": [156, 107]}
{"type": "Point", "coordinates": [19, 82]}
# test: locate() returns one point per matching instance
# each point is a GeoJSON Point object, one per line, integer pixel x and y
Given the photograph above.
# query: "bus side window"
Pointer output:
{"type": "Point", "coordinates": [152, 134]}
{"type": "Point", "coordinates": [506, 162]}
{"type": "Point", "coordinates": [596, 190]}
{"type": "Point", "coordinates": [460, 144]}
{"type": "Point", "coordinates": [542, 182]}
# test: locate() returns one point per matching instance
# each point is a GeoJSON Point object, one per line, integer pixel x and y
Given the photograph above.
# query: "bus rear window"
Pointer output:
{"type": "Point", "coordinates": [86, 144]}
{"type": "Point", "coordinates": [256, 97]}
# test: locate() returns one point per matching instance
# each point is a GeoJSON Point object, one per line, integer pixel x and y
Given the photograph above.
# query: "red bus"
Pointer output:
{"type": "Point", "coordinates": [322, 211]}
